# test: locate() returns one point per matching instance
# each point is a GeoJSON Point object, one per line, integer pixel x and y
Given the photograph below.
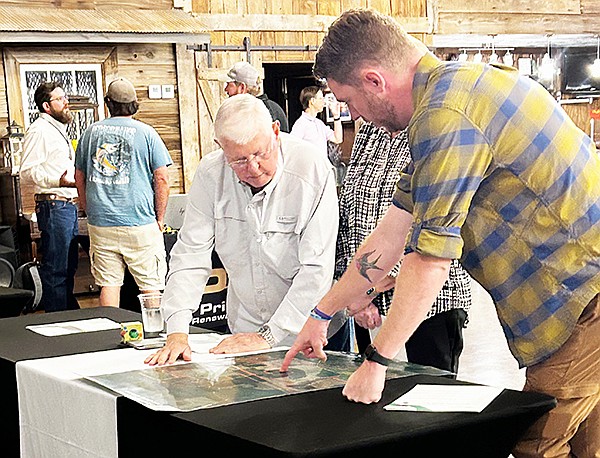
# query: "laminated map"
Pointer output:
{"type": "Point", "coordinates": [191, 386]}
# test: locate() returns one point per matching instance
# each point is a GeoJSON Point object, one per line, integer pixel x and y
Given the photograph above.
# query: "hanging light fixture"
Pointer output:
{"type": "Point", "coordinates": [508, 58]}
{"type": "Point", "coordinates": [546, 71]}
{"type": "Point", "coordinates": [463, 56]}
{"type": "Point", "coordinates": [493, 56]}
{"type": "Point", "coordinates": [595, 67]}
{"type": "Point", "coordinates": [477, 58]}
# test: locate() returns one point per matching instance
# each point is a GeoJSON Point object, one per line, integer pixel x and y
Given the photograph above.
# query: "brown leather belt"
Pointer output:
{"type": "Point", "coordinates": [45, 197]}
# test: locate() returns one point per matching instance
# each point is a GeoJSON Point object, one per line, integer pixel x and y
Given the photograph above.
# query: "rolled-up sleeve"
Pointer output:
{"type": "Point", "coordinates": [450, 159]}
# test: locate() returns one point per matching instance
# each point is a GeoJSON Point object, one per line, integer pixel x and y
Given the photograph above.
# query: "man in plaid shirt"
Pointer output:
{"type": "Point", "coordinates": [500, 178]}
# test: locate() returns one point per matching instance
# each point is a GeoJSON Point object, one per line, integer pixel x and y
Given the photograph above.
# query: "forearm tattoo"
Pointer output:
{"type": "Point", "coordinates": [364, 265]}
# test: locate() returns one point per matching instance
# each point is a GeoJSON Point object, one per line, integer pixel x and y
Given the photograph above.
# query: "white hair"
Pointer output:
{"type": "Point", "coordinates": [241, 118]}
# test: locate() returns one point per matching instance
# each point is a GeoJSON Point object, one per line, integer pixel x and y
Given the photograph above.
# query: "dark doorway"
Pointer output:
{"type": "Point", "coordinates": [283, 83]}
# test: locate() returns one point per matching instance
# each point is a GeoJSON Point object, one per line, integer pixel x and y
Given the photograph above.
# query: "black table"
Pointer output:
{"type": "Point", "coordinates": [318, 424]}
{"type": "Point", "coordinates": [19, 344]}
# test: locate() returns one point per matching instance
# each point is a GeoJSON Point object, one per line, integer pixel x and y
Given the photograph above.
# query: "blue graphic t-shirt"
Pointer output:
{"type": "Point", "coordinates": [118, 157]}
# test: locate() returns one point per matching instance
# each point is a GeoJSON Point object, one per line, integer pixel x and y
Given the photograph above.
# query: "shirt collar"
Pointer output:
{"type": "Point", "coordinates": [309, 117]}
{"type": "Point", "coordinates": [268, 189]}
{"type": "Point", "coordinates": [59, 125]}
{"type": "Point", "coordinates": [428, 63]}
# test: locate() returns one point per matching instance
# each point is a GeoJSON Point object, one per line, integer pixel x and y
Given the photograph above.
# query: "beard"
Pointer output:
{"type": "Point", "coordinates": [384, 115]}
{"type": "Point", "coordinates": [388, 118]}
{"type": "Point", "coordinates": [64, 116]}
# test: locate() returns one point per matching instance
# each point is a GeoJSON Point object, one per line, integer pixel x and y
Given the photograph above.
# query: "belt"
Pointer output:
{"type": "Point", "coordinates": [45, 197]}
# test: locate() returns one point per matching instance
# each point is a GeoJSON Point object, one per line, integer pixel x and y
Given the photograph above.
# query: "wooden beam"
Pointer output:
{"type": "Point", "coordinates": [101, 37]}
{"type": "Point", "coordinates": [292, 22]}
{"type": "Point", "coordinates": [510, 6]}
{"type": "Point", "coordinates": [188, 113]}
{"type": "Point", "coordinates": [507, 23]}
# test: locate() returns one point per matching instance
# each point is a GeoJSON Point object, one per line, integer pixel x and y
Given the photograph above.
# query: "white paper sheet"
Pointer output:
{"type": "Point", "coordinates": [74, 327]}
{"type": "Point", "coordinates": [446, 398]}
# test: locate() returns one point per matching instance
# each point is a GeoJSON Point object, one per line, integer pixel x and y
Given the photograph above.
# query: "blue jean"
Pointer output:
{"type": "Point", "coordinates": [57, 222]}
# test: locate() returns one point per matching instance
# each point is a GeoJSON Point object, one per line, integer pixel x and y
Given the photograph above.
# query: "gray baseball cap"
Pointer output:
{"type": "Point", "coordinates": [242, 72]}
{"type": "Point", "coordinates": [121, 91]}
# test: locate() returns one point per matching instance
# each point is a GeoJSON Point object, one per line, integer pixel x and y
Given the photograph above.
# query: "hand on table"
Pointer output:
{"type": "Point", "coordinates": [177, 347]}
{"type": "Point", "coordinates": [366, 384]}
{"type": "Point", "coordinates": [310, 341]}
{"type": "Point", "coordinates": [240, 343]}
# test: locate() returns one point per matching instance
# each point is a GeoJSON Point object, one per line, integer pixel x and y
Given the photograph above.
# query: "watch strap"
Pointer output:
{"type": "Point", "coordinates": [371, 354]}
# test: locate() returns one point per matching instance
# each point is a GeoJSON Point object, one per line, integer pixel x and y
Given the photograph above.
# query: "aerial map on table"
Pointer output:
{"type": "Point", "coordinates": [185, 387]}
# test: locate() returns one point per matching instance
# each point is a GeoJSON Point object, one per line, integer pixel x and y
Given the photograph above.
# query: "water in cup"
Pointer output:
{"type": "Point", "coordinates": [152, 317]}
{"type": "Point", "coordinates": [152, 320]}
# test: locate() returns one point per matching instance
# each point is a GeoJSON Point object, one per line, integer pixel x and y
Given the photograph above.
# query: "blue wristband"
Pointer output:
{"type": "Point", "coordinates": [316, 313]}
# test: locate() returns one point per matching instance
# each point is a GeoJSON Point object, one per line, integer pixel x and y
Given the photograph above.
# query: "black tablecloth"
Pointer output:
{"type": "Point", "coordinates": [324, 424]}
{"type": "Point", "coordinates": [320, 423]}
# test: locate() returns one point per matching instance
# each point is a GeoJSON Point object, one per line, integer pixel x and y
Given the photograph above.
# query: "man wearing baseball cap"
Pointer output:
{"type": "Point", "coordinates": [121, 175]}
{"type": "Point", "coordinates": [243, 78]}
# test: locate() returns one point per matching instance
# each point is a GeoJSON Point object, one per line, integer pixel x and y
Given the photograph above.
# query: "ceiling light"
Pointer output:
{"type": "Point", "coordinates": [493, 56]}
{"type": "Point", "coordinates": [477, 58]}
{"type": "Point", "coordinates": [595, 67]}
{"type": "Point", "coordinates": [547, 69]}
{"type": "Point", "coordinates": [508, 58]}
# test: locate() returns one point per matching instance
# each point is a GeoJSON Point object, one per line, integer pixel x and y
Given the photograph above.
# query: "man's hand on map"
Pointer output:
{"type": "Point", "coordinates": [365, 385]}
{"type": "Point", "coordinates": [176, 347]}
{"type": "Point", "coordinates": [240, 343]}
{"type": "Point", "coordinates": [310, 341]}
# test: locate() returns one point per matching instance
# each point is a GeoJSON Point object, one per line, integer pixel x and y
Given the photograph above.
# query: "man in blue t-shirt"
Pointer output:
{"type": "Point", "coordinates": [121, 175]}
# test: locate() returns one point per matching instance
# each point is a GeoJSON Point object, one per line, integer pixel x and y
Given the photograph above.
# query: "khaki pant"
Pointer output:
{"type": "Point", "coordinates": [572, 376]}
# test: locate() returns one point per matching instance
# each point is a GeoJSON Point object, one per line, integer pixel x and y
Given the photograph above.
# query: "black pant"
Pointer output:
{"type": "Point", "coordinates": [437, 342]}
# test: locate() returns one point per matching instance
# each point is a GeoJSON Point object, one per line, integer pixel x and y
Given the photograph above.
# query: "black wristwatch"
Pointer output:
{"type": "Point", "coordinates": [371, 354]}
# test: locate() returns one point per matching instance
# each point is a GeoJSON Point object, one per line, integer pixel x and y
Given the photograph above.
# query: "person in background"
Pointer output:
{"type": "Point", "coordinates": [243, 78]}
{"type": "Point", "coordinates": [48, 163]}
{"type": "Point", "coordinates": [500, 178]}
{"type": "Point", "coordinates": [310, 128]}
{"type": "Point", "coordinates": [278, 252]}
{"type": "Point", "coordinates": [374, 168]}
{"type": "Point", "coordinates": [122, 178]}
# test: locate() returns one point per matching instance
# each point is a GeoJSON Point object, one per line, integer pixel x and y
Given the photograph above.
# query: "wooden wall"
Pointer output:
{"type": "Point", "coordinates": [93, 4]}
{"type": "Point", "coordinates": [320, 7]}
{"type": "Point", "coordinates": [285, 22]}
{"type": "Point", "coordinates": [145, 64]}
{"type": "Point", "coordinates": [142, 64]}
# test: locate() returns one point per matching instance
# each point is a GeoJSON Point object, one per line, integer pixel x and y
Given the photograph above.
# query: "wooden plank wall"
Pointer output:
{"type": "Point", "coordinates": [145, 64]}
{"type": "Point", "coordinates": [517, 16]}
{"type": "Point", "coordinates": [3, 104]}
{"type": "Point", "coordinates": [142, 64]}
{"type": "Point", "coordinates": [93, 4]}
{"type": "Point", "coordinates": [413, 8]}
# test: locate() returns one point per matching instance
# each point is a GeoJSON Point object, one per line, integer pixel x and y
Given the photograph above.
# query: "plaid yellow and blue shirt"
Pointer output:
{"type": "Point", "coordinates": [503, 179]}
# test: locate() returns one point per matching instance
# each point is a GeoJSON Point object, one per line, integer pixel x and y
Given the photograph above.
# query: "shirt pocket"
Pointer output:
{"type": "Point", "coordinates": [281, 244]}
{"type": "Point", "coordinates": [232, 241]}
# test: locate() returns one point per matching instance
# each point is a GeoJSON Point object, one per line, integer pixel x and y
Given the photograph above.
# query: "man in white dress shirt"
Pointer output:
{"type": "Point", "coordinates": [264, 202]}
{"type": "Point", "coordinates": [48, 163]}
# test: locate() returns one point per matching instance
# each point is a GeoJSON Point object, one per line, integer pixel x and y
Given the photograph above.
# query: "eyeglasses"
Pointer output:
{"type": "Point", "coordinates": [62, 98]}
{"type": "Point", "coordinates": [241, 164]}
